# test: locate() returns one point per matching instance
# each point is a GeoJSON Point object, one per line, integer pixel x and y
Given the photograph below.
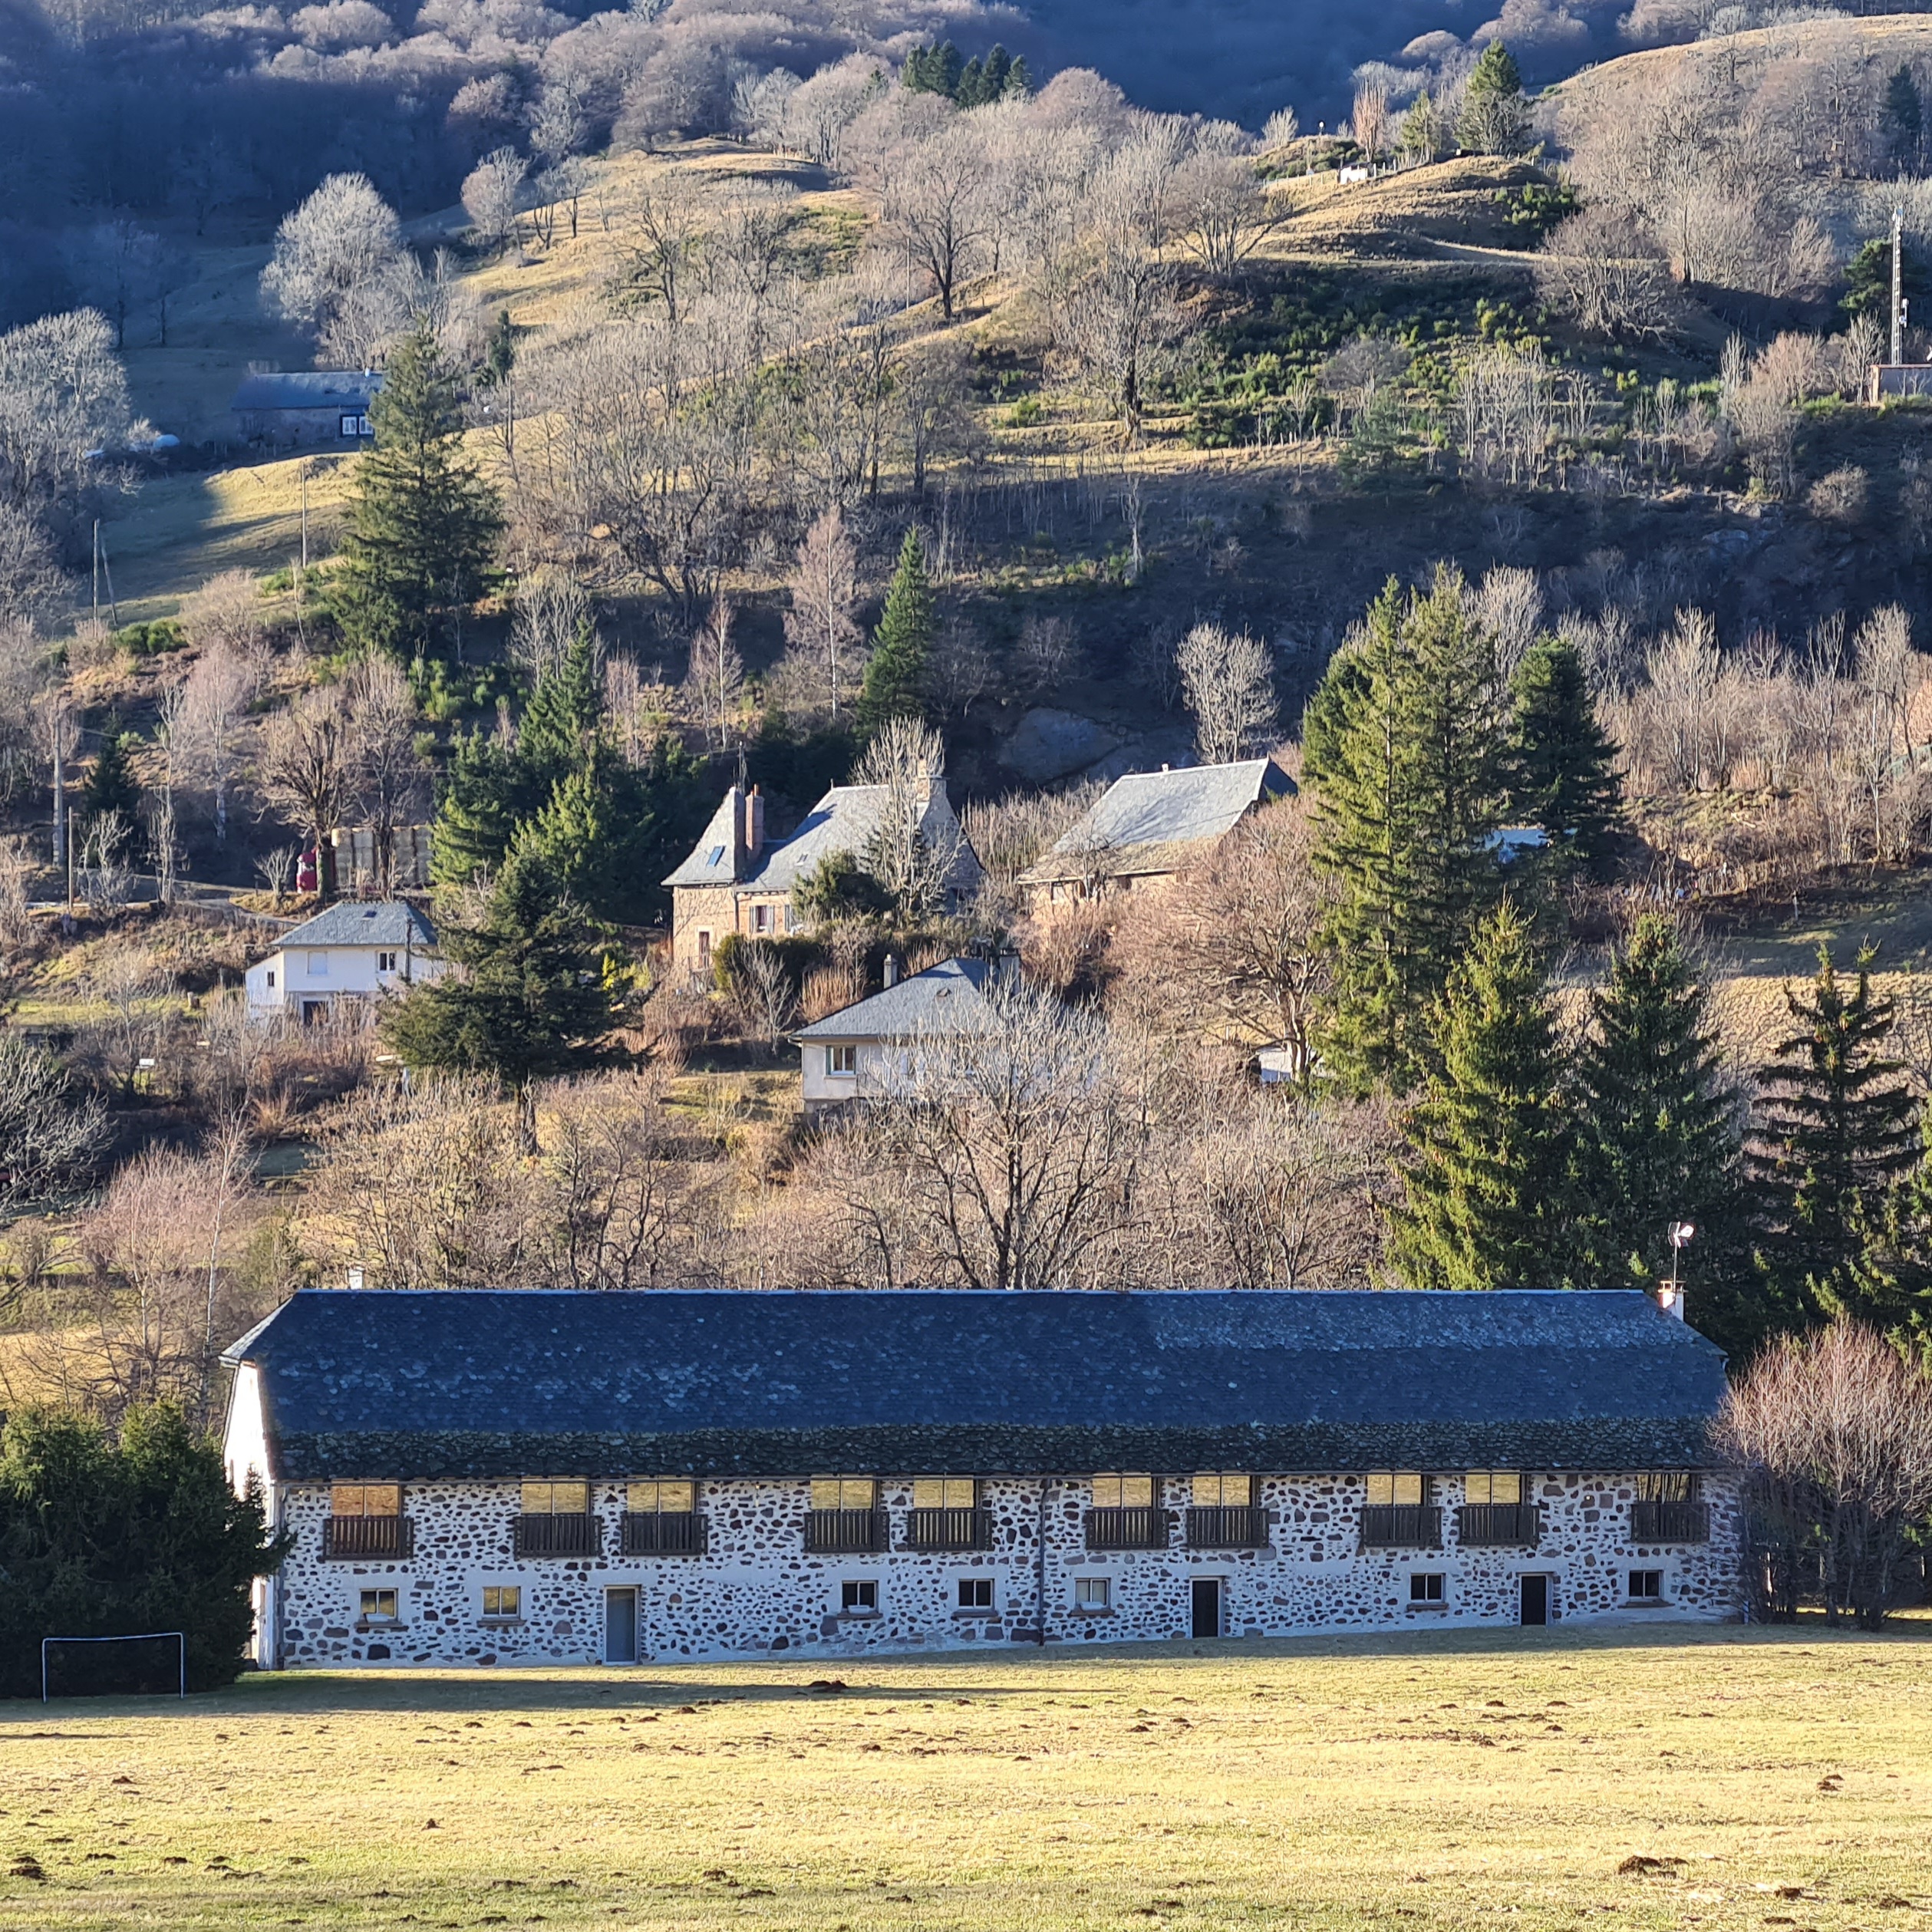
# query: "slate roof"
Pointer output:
{"type": "Point", "coordinates": [844, 820]}
{"type": "Point", "coordinates": [421, 1385]}
{"type": "Point", "coordinates": [944, 997]}
{"type": "Point", "coordinates": [308, 389]}
{"type": "Point", "coordinates": [352, 922]}
{"type": "Point", "coordinates": [1157, 821]}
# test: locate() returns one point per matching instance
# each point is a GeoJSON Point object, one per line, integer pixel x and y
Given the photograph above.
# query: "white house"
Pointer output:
{"type": "Point", "coordinates": [545, 1477]}
{"type": "Point", "coordinates": [352, 951]}
{"type": "Point", "coordinates": [850, 1054]}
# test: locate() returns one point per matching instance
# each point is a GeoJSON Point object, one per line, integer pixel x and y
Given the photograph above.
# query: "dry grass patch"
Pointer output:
{"type": "Point", "coordinates": [1724, 1779]}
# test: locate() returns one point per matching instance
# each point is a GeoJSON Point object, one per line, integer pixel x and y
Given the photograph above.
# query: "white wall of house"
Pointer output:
{"type": "Point", "coordinates": [293, 974]}
{"type": "Point", "coordinates": [756, 1591]}
{"type": "Point", "coordinates": [244, 1454]}
{"type": "Point", "coordinates": [828, 1081]}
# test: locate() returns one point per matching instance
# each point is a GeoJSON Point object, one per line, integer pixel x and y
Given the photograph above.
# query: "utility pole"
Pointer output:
{"type": "Point", "coordinates": [1898, 282]}
{"type": "Point", "coordinates": [97, 570]}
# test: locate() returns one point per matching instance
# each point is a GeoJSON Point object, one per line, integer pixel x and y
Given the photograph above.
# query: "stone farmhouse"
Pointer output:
{"type": "Point", "coordinates": [849, 1055]}
{"type": "Point", "coordinates": [308, 408]}
{"type": "Point", "coordinates": [1147, 826]}
{"type": "Point", "coordinates": [735, 882]}
{"type": "Point", "coordinates": [351, 951]}
{"type": "Point", "coordinates": [543, 1477]}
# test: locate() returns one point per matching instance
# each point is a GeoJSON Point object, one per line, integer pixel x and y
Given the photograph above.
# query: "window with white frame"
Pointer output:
{"type": "Point", "coordinates": [502, 1600]}
{"type": "Point", "coordinates": [841, 1059]}
{"type": "Point", "coordinates": [976, 1592]}
{"type": "Point", "coordinates": [1094, 1592]}
{"type": "Point", "coordinates": [1647, 1586]}
{"type": "Point", "coordinates": [271, 979]}
{"type": "Point", "coordinates": [386, 962]}
{"type": "Point", "coordinates": [859, 1597]}
{"type": "Point", "coordinates": [1425, 1587]}
{"type": "Point", "coordinates": [378, 1607]}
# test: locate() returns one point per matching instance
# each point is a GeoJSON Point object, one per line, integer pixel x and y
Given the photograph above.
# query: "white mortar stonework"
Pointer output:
{"type": "Point", "coordinates": [756, 1591]}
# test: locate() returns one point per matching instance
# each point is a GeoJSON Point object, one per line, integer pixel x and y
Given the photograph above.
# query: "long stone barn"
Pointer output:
{"type": "Point", "coordinates": [545, 1478]}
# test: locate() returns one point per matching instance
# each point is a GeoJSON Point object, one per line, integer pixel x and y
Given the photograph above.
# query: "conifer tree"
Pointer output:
{"type": "Point", "coordinates": [895, 675]}
{"type": "Point", "coordinates": [1485, 1178]}
{"type": "Point", "coordinates": [536, 990]}
{"type": "Point", "coordinates": [1560, 774]}
{"type": "Point", "coordinates": [422, 524]}
{"type": "Point", "coordinates": [1404, 748]}
{"type": "Point", "coordinates": [1838, 1129]}
{"type": "Point", "coordinates": [1662, 1137]}
{"type": "Point", "coordinates": [564, 718]}
{"type": "Point", "coordinates": [111, 785]}
{"type": "Point", "coordinates": [1904, 116]}
{"type": "Point", "coordinates": [1495, 117]}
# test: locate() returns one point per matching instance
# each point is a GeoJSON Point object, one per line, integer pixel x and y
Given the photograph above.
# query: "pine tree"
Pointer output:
{"type": "Point", "coordinates": [1560, 774]}
{"type": "Point", "coordinates": [1495, 117]}
{"type": "Point", "coordinates": [895, 676]}
{"type": "Point", "coordinates": [1404, 748]}
{"type": "Point", "coordinates": [1904, 116]}
{"type": "Point", "coordinates": [111, 785]}
{"type": "Point", "coordinates": [1662, 1139]}
{"type": "Point", "coordinates": [1838, 1129]}
{"type": "Point", "coordinates": [564, 718]}
{"type": "Point", "coordinates": [1485, 1178]}
{"type": "Point", "coordinates": [537, 990]}
{"type": "Point", "coordinates": [499, 352]}
{"type": "Point", "coordinates": [422, 524]}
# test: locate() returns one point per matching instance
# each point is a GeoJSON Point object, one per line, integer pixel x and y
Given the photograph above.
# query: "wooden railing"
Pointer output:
{"type": "Point", "coordinates": [946, 1529]}
{"type": "Point", "coordinates": [1477, 1523]}
{"type": "Point", "coordinates": [1402, 1526]}
{"type": "Point", "coordinates": [667, 1532]}
{"type": "Point", "coordinates": [1669, 1522]}
{"type": "Point", "coordinates": [1230, 1526]}
{"type": "Point", "coordinates": [1127, 1529]}
{"type": "Point", "coordinates": [348, 1536]}
{"type": "Point", "coordinates": [575, 1535]}
{"type": "Point", "coordinates": [844, 1532]}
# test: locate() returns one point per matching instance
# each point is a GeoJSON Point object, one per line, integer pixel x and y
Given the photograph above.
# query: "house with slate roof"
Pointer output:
{"type": "Point", "coordinates": [308, 408]}
{"type": "Point", "coordinates": [1147, 826]}
{"type": "Point", "coordinates": [351, 951]}
{"type": "Point", "coordinates": [850, 1055]}
{"type": "Point", "coordinates": [733, 881]}
{"type": "Point", "coordinates": [557, 1478]}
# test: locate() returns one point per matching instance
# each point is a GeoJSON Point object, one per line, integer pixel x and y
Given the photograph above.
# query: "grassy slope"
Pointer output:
{"type": "Point", "coordinates": [1444, 1780]}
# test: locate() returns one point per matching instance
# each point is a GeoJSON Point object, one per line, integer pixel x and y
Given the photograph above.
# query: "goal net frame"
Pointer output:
{"type": "Point", "coordinates": [178, 1637]}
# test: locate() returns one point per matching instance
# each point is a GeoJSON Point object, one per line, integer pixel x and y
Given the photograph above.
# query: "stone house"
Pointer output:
{"type": "Point", "coordinates": [1147, 826]}
{"type": "Point", "coordinates": [301, 409]}
{"type": "Point", "coordinates": [848, 1055]}
{"type": "Point", "coordinates": [733, 881]}
{"type": "Point", "coordinates": [543, 1477]}
{"type": "Point", "coordinates": [352, 950]}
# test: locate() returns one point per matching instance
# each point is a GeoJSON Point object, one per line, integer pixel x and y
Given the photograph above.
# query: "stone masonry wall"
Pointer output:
{"type": "Point", "coordinates": [756, 1592]}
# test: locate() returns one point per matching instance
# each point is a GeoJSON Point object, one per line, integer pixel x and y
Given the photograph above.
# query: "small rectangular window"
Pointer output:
{"type": "Point", "coordinates": [858, 1599]}
{"type": "Point", "coordinates": [1112, 1491]}
{"type": "Point", "coordinates": [365, 1499]}
{"type": "Point", "coordinates": [1425, 1588]}
{"type": "Point", "coordinates": [271, 979]}
{"type": "Point", "coordinates": [1396, 1488]}
{"type": "Point", "coordinates": [364, 426]}
{"type": "Point", "coordinates": [1666, 1485]}
{"type": "Point", "coordinates": [677, 1496]}
{"type": "Point", "coordinates": [976, 1592]}
{"type": "Point", "coordinates": [844, 1493]}
{"type": "Point", "coordinates": [502, 1600]}
{"type": "Point", "coordinates": [1219, 1490]}
{"type": "Point", "coordinates": [761, 918]}
{"type": "Point", "coordinates": [379, 1606]}
{"type": "Point", "coordinates": [555, 1498]}
{"type": "Point", "coordinates": [319, 965]}
{"type": "Point", "coordinates": [704, 948]}
{"type": "Point", "coordinates": [1495, 1485]}
{"type": "Point", "coordinates": [1647, 1586]}
{"type": "Point", "coordinates": [841, 1059]}
{"type": "Point", "coordinates": [944, 1492]}
{"type": "Point", "coordinates": [1094, 1592]}
{"type": "Point", "coordinates": [349, 425]}
{"type": "Point", "coordinates": [385, 962]}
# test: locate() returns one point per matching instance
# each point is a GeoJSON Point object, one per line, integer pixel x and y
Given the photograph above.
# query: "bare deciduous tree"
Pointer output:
{"type": "Point", "coordinates": [306, 770]}
{"type": "Point", "coordinates": [332, 254]}
{"type": "Point", "coordinates": [494, 196]}
{"type": "Point", "coordinates": [822, 620]}
{"type": "Point", "coordinates": [1227, 680]}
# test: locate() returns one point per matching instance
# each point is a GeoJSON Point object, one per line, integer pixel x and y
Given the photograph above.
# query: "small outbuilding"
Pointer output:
{"type": "Point", "coordinates": [301, 408]}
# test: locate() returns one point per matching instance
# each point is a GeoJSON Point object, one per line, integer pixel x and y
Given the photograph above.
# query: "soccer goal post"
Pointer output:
{"type": "Point", "coordinates": [177, 1638]}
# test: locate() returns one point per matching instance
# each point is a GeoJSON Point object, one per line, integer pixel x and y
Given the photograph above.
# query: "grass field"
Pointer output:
{"type": "Point", "coordinates": [1721, 1778]}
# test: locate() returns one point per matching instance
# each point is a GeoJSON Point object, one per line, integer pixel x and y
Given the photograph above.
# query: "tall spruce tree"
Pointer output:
{"type": "Point", "coordinates": [1838, 1130]}
{"type": "Point", "coordinates": [1404, 748]}
{"type": "Point", "coordinates": [422, 524]}
{"type": "Point", "coordinates": [1561, 771]}
{"type": "Point", "coordinates": [1903, 117]}
{"type": "Point", "coordinates": [536, 991]}
{"type": "Point", "coordinates": [895, 675]}
{"type": "Point", "coordinates": [1661, 1135]}
{"type": "Point", "coordinates": [1495, 117]}
{"type": "Point", "coordinates": [1486, 1183]}
{"type": "Point", "coordinates": [111, 785]}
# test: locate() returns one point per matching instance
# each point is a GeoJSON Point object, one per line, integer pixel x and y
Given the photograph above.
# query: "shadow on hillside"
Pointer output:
{"type": "Point", "coordinates": [667, 1688]}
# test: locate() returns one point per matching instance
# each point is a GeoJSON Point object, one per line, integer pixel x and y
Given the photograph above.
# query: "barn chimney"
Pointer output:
{"type": "Point", "coordinates": [891, 973]}
{"type": "Point", "coordinates": [754, 823]}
